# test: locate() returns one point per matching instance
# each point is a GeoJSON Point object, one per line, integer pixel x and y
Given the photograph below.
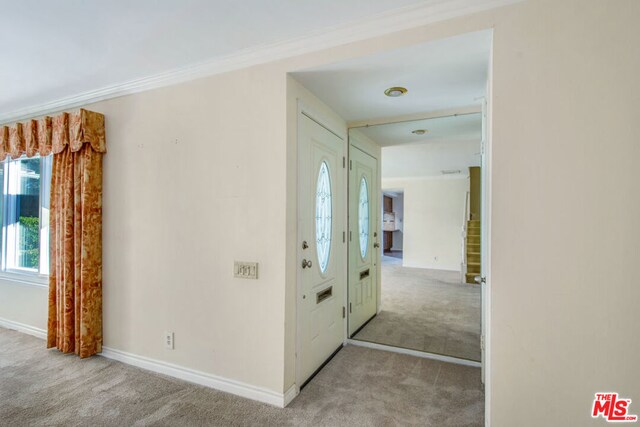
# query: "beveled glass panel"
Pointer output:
{"type": "Point", "coordinates": [323, 216]}
{"type": "Point", "coordinates": [363, 217]}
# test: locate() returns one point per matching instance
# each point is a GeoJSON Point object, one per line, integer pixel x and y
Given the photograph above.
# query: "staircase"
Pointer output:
{"type": "Point", "coordinates": [473, 250]}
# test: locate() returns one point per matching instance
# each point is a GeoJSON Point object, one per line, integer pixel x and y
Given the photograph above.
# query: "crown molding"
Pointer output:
{"type": "Point", "coordinates": [373, 26]}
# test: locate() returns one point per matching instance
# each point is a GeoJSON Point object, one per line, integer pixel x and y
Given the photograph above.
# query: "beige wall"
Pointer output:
{"type": "Point", "coordinates": [194, 179]}
{"type": "Point", "coordinates": [564, 213]}
{"type": "Point", "coordinates": [192, 184]}
{"type": "Point", "coordinates": [24, 304]}
{"type": "Point", "coordinates": [433, 220]}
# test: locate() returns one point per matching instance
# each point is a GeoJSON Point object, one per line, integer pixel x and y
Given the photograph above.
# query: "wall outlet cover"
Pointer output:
{"type": "Point", "coordinates": [168, 340]}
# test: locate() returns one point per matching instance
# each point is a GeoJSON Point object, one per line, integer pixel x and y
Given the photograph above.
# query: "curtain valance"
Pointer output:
{"type": "Point", "coordinates": [52, 134]}
{"type": "Point", "coordinates": [77, 142]}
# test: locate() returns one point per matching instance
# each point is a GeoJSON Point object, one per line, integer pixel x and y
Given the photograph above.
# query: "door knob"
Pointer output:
{"type": "Point", "coordinates": [305, 245]}
{"type": "Point", "coordinates": [376, 245]}
{"type": "Point", "coordinates": [480, 279]}
{"type": "Point", "coordinates": [306, 264]}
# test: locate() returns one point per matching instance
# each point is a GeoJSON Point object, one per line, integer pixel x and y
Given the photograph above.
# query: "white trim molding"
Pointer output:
{"type": "Point", "coordinates": [290, 394]}
{"type": "Point", "coordinates": [400, 19]}
{"type": "Point", "coordinates": [25, 329]}
{"type": "Point", "coordinates": [202, 378]}
{"type": "Point", "coordinates": [416, 353]}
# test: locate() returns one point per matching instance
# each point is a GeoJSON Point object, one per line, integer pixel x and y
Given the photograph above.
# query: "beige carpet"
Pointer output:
{"type": "Point", "coordinates": [359, 387]}
{"type": "Point", "coordinates": [426, 310]}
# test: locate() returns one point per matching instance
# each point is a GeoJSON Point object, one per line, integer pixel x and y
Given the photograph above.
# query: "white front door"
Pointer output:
{"type": "Point", "coordinates": [321, 257]}
{"type": "Point", "coordinates": [363, 237]}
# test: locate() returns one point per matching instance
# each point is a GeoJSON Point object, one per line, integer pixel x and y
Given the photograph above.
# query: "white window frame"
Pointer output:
{"type": "Point", "coordinates": [16, 274]}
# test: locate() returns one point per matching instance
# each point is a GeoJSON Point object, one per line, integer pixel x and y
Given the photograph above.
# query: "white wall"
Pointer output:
{"type": "Point", "coordinates": [429, 158]}
{"type": "Point", "coordinates": [565, 100]}
{"type": "Point", "coordinates": [433, 220]}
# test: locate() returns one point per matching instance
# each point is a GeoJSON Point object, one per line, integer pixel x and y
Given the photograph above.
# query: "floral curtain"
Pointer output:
{"type": "Point", "coordinates": [77, 141]}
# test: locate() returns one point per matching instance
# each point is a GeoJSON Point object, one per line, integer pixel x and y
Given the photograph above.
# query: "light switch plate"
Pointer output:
{"type": "Point", "coordinates": [245, 270]}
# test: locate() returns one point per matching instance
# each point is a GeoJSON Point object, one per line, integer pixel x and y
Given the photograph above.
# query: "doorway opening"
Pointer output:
{"type": "Point", "coordinates": [392, 226]}
{"type": "Point", "coordinates": [405, 249]}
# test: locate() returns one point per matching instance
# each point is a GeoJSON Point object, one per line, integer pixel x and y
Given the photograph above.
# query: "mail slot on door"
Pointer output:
{"type": "Point", "coordinates": [364, 274]}
{"type": "Point", "coordinates": [323, 295]}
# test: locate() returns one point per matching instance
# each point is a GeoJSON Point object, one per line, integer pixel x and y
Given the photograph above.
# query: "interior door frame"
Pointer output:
{"type": "Point", "coordinates": [486, 227]}
{"type": "Point", "coordinates": [305, 110]}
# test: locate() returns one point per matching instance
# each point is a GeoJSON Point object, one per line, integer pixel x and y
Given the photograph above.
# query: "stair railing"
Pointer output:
{"type": "Point", "coordinates": [465, 222]}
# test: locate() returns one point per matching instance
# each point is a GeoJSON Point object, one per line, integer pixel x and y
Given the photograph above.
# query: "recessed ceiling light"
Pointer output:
{"type": "Point", "coordinates": [419, 131]}
{"type": "Point", "coordinates": [395, 91]}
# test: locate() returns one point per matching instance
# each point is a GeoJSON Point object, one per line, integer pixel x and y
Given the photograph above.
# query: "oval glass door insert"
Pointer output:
{"type": "Point", "coordinates": [323, 216]}
{"type": "Point", "coordinates": [363, 217]}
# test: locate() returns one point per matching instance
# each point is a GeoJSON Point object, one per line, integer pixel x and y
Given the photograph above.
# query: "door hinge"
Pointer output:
{"type": "Point", "coordinates": [344, 162]}
{"type": "Point", "coordinates": [481, 342]}
{"type": "Point", "coordinates": [350, 311]}
{"type": "Point", "coordinates": [344, 311]}
{"type": "Point", "coordinates": [349, 235]}
{"type": "Point", "coordinates": [344, 237]}
{"type": "Point", "coordinates": [350, 164]}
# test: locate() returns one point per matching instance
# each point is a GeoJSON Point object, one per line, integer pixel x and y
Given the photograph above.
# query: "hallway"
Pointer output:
{"type": "Point", "coordinates": [426, 310]}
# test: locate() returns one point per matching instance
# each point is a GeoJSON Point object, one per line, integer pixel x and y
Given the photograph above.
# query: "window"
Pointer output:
{"type": "Point", "coordinates": [24, 215]}
{"type": "Point", "coordinates": [323, 216]}
{"type": "Point", "coordinates": [363, 217]}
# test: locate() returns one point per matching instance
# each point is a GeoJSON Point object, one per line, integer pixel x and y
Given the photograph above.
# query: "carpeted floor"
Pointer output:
{"type": "Point", "coordinates": [359, 387]}
{"type": "Point", "coordinates": [426, 310]}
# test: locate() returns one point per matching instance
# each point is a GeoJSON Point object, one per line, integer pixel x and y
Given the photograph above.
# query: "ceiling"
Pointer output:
{"type": "Point", "coordinates": [467, 127]}
{"type": "Point", "coordinates": [442, 74]}
{"type": "Point", "coordinates": [452, 143]}
{"type": "Point", "coordinates": [57, 49]}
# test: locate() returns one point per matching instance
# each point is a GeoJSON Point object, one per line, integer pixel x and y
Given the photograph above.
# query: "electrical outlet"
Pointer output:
{"type": "Point", "coordinates": [245, 270]}
{"type": "Point", "coordinates": [168, 340]}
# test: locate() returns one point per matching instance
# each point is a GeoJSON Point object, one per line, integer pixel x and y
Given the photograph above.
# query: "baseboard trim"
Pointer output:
{"type": "Point", "coordinates": [433, 267]}
{"type": "Point", "coordinates": [423, 354]}
{"type": "Point", "coordinates": [290, 394]}
{"type": "Point", "coordinates": [24, 328]}
{"type": "Point", "coordinates": [202, 378]}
